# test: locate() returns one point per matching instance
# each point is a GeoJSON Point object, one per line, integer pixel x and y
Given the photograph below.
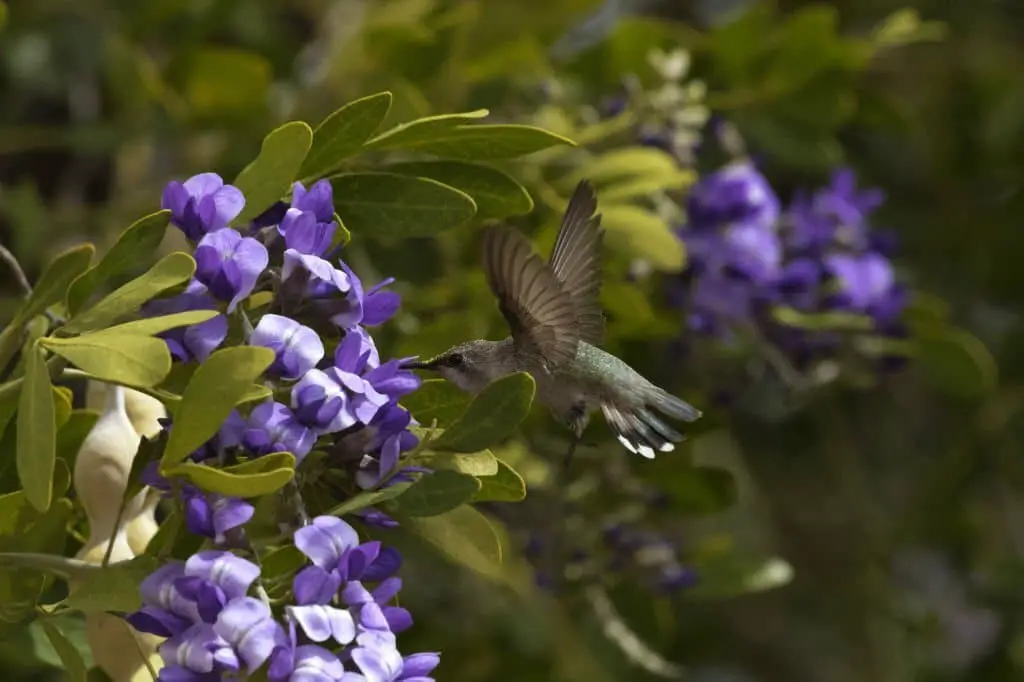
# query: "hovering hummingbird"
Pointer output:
{"type": "Point", "coordinates": [554, 314]}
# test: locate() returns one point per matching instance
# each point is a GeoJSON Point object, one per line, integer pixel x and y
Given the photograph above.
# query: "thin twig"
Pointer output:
{"type": "Point", "coordinates": [15, 267]}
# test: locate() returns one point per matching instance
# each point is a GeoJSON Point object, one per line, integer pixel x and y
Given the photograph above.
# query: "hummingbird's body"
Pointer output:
{"type": "Point", "coordinates": [557, 324]}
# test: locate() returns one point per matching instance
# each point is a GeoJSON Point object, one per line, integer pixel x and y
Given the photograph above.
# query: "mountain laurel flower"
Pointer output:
{"type": "Point", "coordinates": [368, 308]}
{"type": "Point", "coordinates": [212, 515]}
{"type": "Point", "coordinates": [297, 348]}
{"type": "Point", "coordinates": [308, 226]}
{"type": "Point", "coordinates": [318, 278]}
{"type": "Point", "coordinates": [202, 204]}
{"type": "Point", "coordinates": [230, 264]}
{"type": "Point", "coordinates": [273, 427]}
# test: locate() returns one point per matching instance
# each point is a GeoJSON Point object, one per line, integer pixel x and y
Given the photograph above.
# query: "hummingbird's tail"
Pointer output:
{"type": "Point", "coordinates": [640, 431]}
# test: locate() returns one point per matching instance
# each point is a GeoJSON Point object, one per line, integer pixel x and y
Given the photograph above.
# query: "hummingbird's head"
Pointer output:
{"type": "Point", "coordinates": [470, 366]}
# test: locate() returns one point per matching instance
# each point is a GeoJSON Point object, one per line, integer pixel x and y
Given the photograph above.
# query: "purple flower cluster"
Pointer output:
{"type": "Point", "coordinates": [340, 628]}
{"type": "Point", "coordinates": [748, 255]}
{"type": "Point", "coordinates": [328, 382]}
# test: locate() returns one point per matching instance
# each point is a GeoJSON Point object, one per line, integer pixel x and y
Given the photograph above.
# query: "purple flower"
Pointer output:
{"type": "Point", "coordinates": [835, 215]}
{"type": "Point", "coordinates": [198, 341]}
{"type": "Point", "coordinates": [199, 650]}
{"type": "Point", "coordinates": [325, 541]}
{"type": "Point", "coordinates": [229, 264]}
{"type": "Point", "coordinates": [735, 194]}
{"type": "Point", "coordinates": [272, 427]}
{"type": "Point", "coordinates": [202, 204]}
{"type": "Point", "coordinates": [864, 281]}
{"type": "Point", "coordinates": [369, 308]}
{"type": "Point", "coordinates": [332, 400]}
{"type": "Point", "coordinates": [249, 627]}
{"type": "Point", "coordinates": [213, 515]}
{"type": "Point", "coordinates": [297, 348]}
{"type": "Point", "coordinates": [165, 611]}
{"type": "Point", "coordinates": [306, 663]}
{"type": "Point", "coordinates": [308, 226]}
{"type": "Point", "coordinates": [321, 280]}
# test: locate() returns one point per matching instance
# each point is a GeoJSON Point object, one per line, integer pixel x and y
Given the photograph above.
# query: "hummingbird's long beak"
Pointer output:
{"type": "Point", "coordinates": [416, 364]}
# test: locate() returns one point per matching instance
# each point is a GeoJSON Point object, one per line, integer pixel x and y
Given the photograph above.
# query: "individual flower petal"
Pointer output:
{"type": "Point", "coordinates": [231, 573]}
{"type": "Point", "coordinates": [419, 665]}
{"type": "Point", "coordinates": [314, 585]}
{"type": "Point", "coordinates": [399, 619]}
{"type": "Point", "coordinates": [305, 234]}
{"type": "Point", "coordinates": [272, 427]}
{"type": "Point", "coordinates": [321, 623]}
{"type": "Point", "coordinates": [369, 308]}
{"type": "Point", "coordinates": [249, 627]}
{"type": "Point", "coordinates": [297, 348]}
{"type": "Point", "coordinates": [199, 649]}
{"type": "Point", "coordinates": [322, 280]}
{"type": "Point", "coordinates": [318, 199]}
{"type": "Point", "coordinates": [378, 663]}
{"type": "Point", "coordinates": [214, 515]}
{"type": "Point", "coordinates": [325, 540]}
{"type": "Point", "coordinates": [230, 264]}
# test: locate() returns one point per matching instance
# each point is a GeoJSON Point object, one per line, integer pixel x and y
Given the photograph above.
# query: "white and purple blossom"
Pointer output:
{"type": "Point", "coordinates": [229, 265]}
{"type": "Point", "coordinates": [202, 204]}
{"type": "Point", "coordinates": [297, 348]}
{"type": "Point", "coordinates": [273, 427]}
{"type": "Point", "coordinates": [308, 226]}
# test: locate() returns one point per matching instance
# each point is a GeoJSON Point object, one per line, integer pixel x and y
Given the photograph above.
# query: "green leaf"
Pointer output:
{"type": "Point", "coordinates": [642, 234]}
{"type": "Point", "coordinates": [369, 498]}
{"type": "Point", "coordinates": [957, 363]}
{"type": "Point", "coordinates": [904, 27]}
{"type": "Point", "coordinates": [259, 479]}
{"type": "Point", "coordinates": [464, 536]}
{"type": "Point", "coordinates": [437, 399]}
{"type": "Point", "coordinates": [437, 493]}
{"type": "Point", "coordinates": [490, 142]}
{"type": "Point", "coordinates": [399, 205]}
{"type": "Point", "coordinates": [169, 271]}
{"type": "Point", "coordinates": [627, 163]}
{"type": "Point", "coordinates": [422, 129]}
{"type": "Point", "coordinates": [493, 416]}
{"type": "Point", "coordinates": [482, 463]}
{"type": "Point", "coordinates": [270, 175]}
{"type": "Point", "coordinates": [505, 486]}
{"type": "Point", "coordinates": [641, 189]}
{"type": "Point", "coordinates": [37, 431]}
{"type": "Point", "coordinates": [832, 320]}
{"type": "Point", "coordinates": [127, 359]}
{"type": "Point", "coordinates": [497, 195]}
{"type": "Point", "coordinates": [700, 490]}
{"type": "Point", "coordinates": [51, 287]}
{"type": "Point", "coordinates": [133, 248]}
{"type": "Point", "coordinates": [343, 133]}
{"type": "Point", "coordinates": [215, 388]}
{"type": "Point", "coordinates": [151, 326]}
{"type": "Point", "coordinates": [114, 587]}
{"type": "Point", "coordinates": [74, 664]}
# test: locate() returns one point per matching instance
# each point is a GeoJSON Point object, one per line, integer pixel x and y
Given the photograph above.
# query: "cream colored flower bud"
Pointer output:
{"type": "Point", "coordinates": [144, 411]}
{"type": "Point", "coordinates": [142, 526]}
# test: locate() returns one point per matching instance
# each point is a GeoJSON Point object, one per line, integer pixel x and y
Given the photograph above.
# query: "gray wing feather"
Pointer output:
{"type": "Point", "coordinates": [576, 261]}
{"type": "Point", "coordinates": [540, 313]}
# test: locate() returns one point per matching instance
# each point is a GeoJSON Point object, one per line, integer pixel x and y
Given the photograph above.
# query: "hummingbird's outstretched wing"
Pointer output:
{"type": "Point", "coordinates": [540, 313]}
{"type": "Point", "coordinates": [576, 261]}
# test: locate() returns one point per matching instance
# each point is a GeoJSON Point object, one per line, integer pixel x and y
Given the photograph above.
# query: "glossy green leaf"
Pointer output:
{"type": "Point", "coordinates": [270, 175]}
{"type": "Point", "coordinates": [700, 490]}
{"type": "Point", "coordinates": [497, 195]}
{"type": "Point", "coordinates": [169, 271]}
{"type": "Point", "coordinates": [152, 326]}
{"type": "Point", "coordinates": [51, 287]}
{"type": "Point", "coordinates": [412, 133]}
{"type": "Point", "coordinates": [215, 388]}
{"type": "Point", "coordinates": [74, 664]}
{"type": "Point", "coordinates": [482, 463]}
{"type": "Point", "coordinates": [493, 416]}
{"type": "Point", "coordinates": [369, 498]}
{"type": "Point", "coordinates": [437, 399]}
{"type": "Point", "coordinates": [260, 478]}
{"type": "Point", "coordinates": [504, 486]}
{"type": "Point", "coordinates": [464, 536]}
{"type": "Point", "coordinates": [343, 133]}
{"type": "Point", "coordinates": [128, 359]}
{"type": "Point", "coordinates": [133, 248]}
{"type": "Point", "coordinates": [490, 142]}
{"type": "Point", "coordinates": [642, 234]}
{"type": "Point", "coordinates": [437, 493]}
{"type": "Point", "coordinates": [37, 431]}
{"type": "Point", "coordinates": [114, 587]}
{"type": "Point", "coordinates": [957, 363]}
{"type": "Point", "coordinates": [399, 205]}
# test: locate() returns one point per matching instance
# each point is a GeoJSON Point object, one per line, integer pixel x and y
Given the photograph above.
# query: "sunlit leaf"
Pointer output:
{"type": "Point", "coordinates": [504, 486]}
{"type": "Point", "coordinates": [215, 388]}
{"type": "Point", "coordinates": [343, 133]}
{"type": "Point", "coordinates": [169, 271]}
{"type": "Point", "coordinates": [133, 248]}
{"type": "Point", "coordinates": [128, 359]}
{"type": "Point", "coordinates": [151, 326]}
{"type": "Point", "coordinates": [261, 476]}
{"type": "Point", "coordinates": [482, 463]}
{"type": "Point", "coordinates": [398, 205]}
{"type": "Point", "coordinates": [270, 175]}
{"type": "Point", "coordinates": [642, 234]}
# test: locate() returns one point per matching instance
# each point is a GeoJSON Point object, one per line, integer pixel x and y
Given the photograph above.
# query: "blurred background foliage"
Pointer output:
{"type": "Point", "coordinates": [897, 504]}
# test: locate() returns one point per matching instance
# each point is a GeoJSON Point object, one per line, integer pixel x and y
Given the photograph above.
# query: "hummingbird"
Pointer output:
{"type": "Point", "coordinates": [557, 325]}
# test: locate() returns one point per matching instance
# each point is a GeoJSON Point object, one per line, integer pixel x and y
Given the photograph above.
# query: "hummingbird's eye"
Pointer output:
{"type": "Point", "coordinates": [454, 360]}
